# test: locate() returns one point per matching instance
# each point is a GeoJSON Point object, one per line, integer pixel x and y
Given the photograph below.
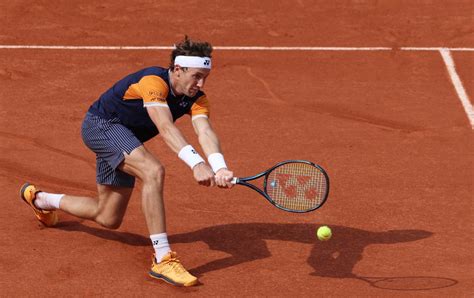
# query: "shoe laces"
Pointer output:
{"type": "Point", "coordinates": [175, 264]}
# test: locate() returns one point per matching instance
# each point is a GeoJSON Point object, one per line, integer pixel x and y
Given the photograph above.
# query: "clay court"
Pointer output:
{"type": "Point", "coordinates": [366, 89]}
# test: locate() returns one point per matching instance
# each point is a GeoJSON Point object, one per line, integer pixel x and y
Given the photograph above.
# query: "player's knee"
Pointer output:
{"type": "Point", "coordinates": [112, 223]}
{"type": "Point", "coordinates": [154, 172]}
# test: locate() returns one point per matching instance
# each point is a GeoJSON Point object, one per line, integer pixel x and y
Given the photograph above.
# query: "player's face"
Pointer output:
{"type": "Point", "coordinates": [191, 80]}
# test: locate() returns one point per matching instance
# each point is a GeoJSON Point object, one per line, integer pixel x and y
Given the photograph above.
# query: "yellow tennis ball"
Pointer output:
{"type": "Point", "coordinates": [324, 233]}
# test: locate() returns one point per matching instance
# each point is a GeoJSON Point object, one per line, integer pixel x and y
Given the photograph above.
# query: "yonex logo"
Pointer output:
{"type": "Point", "coordinates": [207, 62]}
{"type": "Point", "coordinates": [303, 186]}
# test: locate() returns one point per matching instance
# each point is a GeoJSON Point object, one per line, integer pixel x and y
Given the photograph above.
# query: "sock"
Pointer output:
{"type": "Point", "coordinates": [47, 201]}
{"type": "Point", "coordinates": [161, 245]}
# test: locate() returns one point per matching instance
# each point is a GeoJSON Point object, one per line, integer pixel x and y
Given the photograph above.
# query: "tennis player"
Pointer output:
{"type": "Point", "coordinates": [134, 110]}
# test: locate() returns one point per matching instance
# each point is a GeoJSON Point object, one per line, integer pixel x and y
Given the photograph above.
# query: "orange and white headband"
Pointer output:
{"type": "Point", "coordinates": [193, 61]}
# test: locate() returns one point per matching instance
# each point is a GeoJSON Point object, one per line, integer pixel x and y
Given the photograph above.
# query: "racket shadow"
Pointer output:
{"type": "Point", "coordinates": [335, 258]}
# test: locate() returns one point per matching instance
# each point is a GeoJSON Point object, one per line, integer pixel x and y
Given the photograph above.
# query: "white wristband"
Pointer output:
{"type": "Point", "coordinates": [190, 156]}
{"type": "Point", "coordinates": [216, 160]}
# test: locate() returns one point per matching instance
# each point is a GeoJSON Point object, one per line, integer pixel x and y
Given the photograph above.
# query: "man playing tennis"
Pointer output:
{"type": "Point", "coordinates": [134, 110]}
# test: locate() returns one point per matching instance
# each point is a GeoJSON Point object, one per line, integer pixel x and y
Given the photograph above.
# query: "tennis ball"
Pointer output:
{"type": "Point", "coordinates": [324, 233]}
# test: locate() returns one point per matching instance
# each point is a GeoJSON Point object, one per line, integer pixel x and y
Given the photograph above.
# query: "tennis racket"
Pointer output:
{"type": "Point", "coordinates": [293, 185]}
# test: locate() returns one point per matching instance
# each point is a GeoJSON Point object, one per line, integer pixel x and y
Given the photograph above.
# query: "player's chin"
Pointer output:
{"type": "Point", "coordinates": [192, 92]}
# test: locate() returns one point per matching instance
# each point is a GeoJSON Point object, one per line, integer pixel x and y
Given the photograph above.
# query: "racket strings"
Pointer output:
{"type": "Point", "coordinates": [297, 186]}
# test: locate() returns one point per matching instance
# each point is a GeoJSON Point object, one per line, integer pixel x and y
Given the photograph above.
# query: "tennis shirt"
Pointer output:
{"type": "Point", "coordinates": [128, 99]}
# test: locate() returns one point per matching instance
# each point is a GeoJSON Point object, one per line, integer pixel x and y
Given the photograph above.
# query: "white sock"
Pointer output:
{"type": "Point", "coordinates": [48, 201]}
{"type": "Point", "coordinates": [161, 245]}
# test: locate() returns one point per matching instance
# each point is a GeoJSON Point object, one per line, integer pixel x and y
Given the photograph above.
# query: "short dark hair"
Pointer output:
{"type": "Point", "coordinates": [189, 47]}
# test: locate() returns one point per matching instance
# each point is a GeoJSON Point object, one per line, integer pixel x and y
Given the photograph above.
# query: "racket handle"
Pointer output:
{"type": "Point", "coordinates": [234, 180]}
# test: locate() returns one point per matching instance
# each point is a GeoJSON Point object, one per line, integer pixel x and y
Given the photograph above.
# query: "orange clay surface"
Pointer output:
{"type": "Point", "coordinates": [387, 125]}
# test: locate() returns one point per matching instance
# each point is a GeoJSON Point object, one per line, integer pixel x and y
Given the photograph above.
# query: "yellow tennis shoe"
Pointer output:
{"type": "Point", "coordinates": [172, 271]}
{"type": "Point", "coordinates": [28, 194]}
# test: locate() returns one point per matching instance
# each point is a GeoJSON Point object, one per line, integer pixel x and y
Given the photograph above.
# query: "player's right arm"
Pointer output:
{"type": "Point", "coordinates": [163, 120]}
{"type": "Point", "coordinates": [154, 90]}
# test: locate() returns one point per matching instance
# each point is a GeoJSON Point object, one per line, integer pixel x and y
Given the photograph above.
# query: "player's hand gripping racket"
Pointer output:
{"type": "Point", "coordinates": [292, 185]}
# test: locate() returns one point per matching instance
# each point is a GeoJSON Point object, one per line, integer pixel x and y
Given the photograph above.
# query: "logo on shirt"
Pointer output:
{"type": "Point", "coordinates": [156, 95]}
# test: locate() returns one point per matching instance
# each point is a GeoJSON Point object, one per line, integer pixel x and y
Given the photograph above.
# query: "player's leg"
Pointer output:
{"type": "Point", "coordinates": [108, 210]}
{"type": "Point", "coordinates": [144, 165]}
{"type": "Point", "coordinates": [166, 266]}
{"type": "Point", "coordinates": [108, 139]}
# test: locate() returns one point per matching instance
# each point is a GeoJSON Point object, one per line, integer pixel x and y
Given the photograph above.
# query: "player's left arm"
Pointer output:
{"type": "Point", "coordinates": [210, 144]}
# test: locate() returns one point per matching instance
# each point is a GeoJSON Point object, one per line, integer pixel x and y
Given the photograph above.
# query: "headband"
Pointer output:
{"type": "Point", "coordinates": [193, 61]}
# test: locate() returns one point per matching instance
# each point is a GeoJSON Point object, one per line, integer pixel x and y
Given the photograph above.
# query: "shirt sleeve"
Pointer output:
{"type": "Point", "coordinates": [200, 108]}
{"type": "Point", "coordinates": [153, 91]}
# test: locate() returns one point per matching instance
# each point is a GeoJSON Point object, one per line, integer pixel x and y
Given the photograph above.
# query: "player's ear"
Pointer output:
{"type": "Point", "coordinates": [176, 69]}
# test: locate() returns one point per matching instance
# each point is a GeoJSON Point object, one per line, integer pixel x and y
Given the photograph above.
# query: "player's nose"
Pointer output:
{"type": "Point", "coordinates": [200, 83]}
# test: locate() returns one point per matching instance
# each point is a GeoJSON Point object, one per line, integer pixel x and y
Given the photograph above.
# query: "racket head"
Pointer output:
{"type": "Point", "coordinates": [296, 186]}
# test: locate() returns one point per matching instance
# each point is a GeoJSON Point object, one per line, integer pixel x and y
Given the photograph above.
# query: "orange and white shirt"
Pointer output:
{"type": "Point", "coordinates": [126, 101]}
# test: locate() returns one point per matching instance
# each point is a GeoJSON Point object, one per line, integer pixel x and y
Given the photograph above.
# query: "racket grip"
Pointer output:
{"type": "Point", "coordinates": [234, 180]}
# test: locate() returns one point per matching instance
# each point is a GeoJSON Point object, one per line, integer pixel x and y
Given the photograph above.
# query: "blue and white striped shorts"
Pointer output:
{"type": "Point", "coordinates": [109, 139]}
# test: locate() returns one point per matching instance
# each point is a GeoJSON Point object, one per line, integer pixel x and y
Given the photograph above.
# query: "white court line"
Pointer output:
{"type": "Point", "coordinates": [257, 48]}
{"type": "Point", "coordinates": [463, 97]}
{"type": "Point", "coordinates": [45, 47]}
{"type": "Point", "coordinates": [445, 53]}
{"type": "Point", "coordinates": [235, 48]}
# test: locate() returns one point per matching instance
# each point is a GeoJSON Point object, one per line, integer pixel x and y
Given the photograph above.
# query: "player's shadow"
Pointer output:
{"type": "Point", "coordinates": [247, 242]}
{"type": "Point", "coordinates": [334, 258]}
{"type": "Point", "coordinates": [123, 237]}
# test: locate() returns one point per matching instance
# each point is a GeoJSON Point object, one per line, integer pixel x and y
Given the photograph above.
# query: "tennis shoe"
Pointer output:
{"type": "Point", "coordinates": [172, 271]}
{"type": "Point", "coordinates": [28, 194]}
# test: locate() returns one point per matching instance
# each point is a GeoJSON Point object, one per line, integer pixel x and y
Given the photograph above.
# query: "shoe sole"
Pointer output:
{"type": "Point", "coordinates": [170, 281]}
{"type": "Point", "coordinates": [22, 192]}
